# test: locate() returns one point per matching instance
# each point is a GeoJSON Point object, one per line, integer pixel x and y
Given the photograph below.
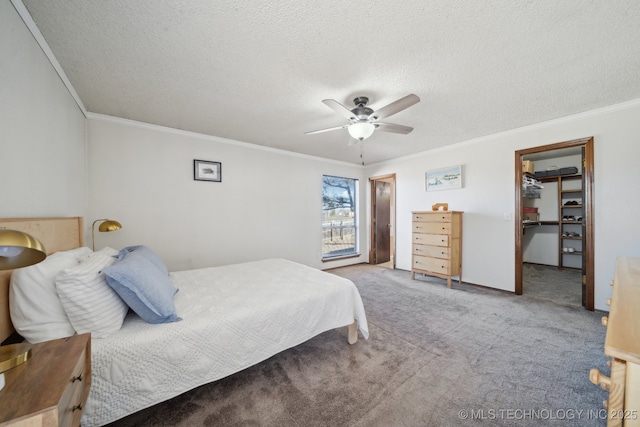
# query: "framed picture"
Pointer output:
{"type": "Point", "coordinates": [444, 179]}
{"type": "Point", "coordinates": [204, 170]}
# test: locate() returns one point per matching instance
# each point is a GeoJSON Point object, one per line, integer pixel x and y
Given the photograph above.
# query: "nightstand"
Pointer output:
{"type": "Point", "coordinates": [51, 388]}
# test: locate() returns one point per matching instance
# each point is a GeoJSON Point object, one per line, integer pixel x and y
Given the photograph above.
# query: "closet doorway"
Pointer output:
{"type": "Point", "coordinates": [383, 218]}
{"type": "Point", "coordinates": [572, 221]}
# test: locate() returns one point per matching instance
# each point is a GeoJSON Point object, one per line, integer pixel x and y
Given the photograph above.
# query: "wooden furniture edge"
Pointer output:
{"type": "Point", "coordinates": [623, 339]}
{"type": "Point", "coordinates": [40, 390]}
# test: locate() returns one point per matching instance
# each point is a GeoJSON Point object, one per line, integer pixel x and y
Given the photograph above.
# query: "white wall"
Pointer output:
{"type": "Point", "coordinates": [269, 203]}
{"type": "Point", "coordinates": [42, 130]}
{"type": "Point", "coordinates": [488, 193]}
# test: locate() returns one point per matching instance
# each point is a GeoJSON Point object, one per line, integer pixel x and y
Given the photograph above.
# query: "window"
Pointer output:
{"type": "Point", "coordinates": [339, 220]}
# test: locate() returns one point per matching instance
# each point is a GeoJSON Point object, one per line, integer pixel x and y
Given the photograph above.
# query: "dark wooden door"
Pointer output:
{"type": "Point", "coordinates": [583, 232]}
{"type": "Point", "coordinates": [383, 222]}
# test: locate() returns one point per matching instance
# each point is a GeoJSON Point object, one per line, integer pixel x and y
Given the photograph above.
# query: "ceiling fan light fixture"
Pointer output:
{"type": "Point", "coordinates": [361, 130]}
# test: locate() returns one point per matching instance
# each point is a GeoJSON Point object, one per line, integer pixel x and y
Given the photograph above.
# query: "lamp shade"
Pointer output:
{"type": "Point", "coordinates": [361, 130]}
{"type": "Point", "coordinates": [19, 249]}
{"type": "Point", "coordinates": [105, 226]}
{"type": "Point", "coordinates": [109, 225]}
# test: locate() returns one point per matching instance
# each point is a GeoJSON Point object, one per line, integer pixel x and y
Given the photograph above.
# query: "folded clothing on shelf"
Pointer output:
{"type": "Point", "coordinates": [556, 172]}
{"type": "Point", "coordinates": [568, 171]}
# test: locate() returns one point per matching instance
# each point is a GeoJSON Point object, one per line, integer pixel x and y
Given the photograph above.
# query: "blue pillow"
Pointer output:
{"type": "Point", "coordinates": [147, 253]}
{"type": "Point", "coordinates": [143, 285]}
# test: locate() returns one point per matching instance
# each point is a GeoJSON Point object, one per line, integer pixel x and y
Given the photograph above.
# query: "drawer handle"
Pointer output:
{"type": "Point", "coordinates": [598, 379]}
{"type": "Point", "coordinates": [78, 378]}
{"type": "Point", "coordinates": [609, 302]}
{"type": "Point", "coordinates": [604, 321]}
{"type": "Point", "coordinates": [442, 240]}
{"type": "Point", "coordinates": [443, 228]}
{"type": "Point", "coordinates": [78, 407]}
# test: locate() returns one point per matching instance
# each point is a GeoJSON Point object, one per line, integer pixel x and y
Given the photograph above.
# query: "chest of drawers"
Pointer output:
{"type": "Point", "coordinates": [622, 345]}
{"type": "Point", "coordinates": [51, 388]}
{"type": "Point", "coordinates": [437, 244]}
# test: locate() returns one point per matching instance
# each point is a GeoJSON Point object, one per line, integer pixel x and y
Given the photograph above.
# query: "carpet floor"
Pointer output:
{"type": "Point", "coordinates": [561, 286]}
{"type": "Point", "coordinates": [436, 357]}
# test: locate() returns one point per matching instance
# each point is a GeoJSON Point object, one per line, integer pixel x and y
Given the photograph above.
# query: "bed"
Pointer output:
{"type": "Point", "coordinates": [230, 318]}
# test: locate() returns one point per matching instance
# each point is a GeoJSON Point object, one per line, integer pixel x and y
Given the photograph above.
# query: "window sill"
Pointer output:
{"type": "Point", "coordinates": [340, 257]}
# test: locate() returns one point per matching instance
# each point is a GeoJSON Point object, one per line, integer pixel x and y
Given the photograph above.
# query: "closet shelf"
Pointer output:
{"type": "Point", "coordinates": [555, 177]}
{"type": "Point", "coordinates": [526, 224]}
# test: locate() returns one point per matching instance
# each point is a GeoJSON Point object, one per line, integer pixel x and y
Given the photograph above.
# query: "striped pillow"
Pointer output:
{"type": "Point", "coordinates": [90, 303]}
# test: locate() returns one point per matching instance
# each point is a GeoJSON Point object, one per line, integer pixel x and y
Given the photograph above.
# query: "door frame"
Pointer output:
{"type": "Point", "coordinates": [391, 179]}
{"type": "Point", "coordinates": [587, 202]}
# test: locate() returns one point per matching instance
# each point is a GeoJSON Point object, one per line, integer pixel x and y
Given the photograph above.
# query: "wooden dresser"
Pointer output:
{"type": "Point", "coordinates": [51, 388]}
{"type": "Point", "coordinates": [622, 345]}
{"type": "Point", "coordinates": [437, 244]}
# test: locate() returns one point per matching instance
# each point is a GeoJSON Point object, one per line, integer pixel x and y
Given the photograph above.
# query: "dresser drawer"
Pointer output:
{"type": "Point", "coordinates": [71, 405]}
{"type": "Point", "coordinates": [434, 265]}
{"type": "Point", "coordinates": [432, 227]}
{"type": "Point", "coordinates": [432, 217]}
{"type": "Point", "coordinates": [432, 251]}
{"type": "Point", "coordinates": [431, 239]}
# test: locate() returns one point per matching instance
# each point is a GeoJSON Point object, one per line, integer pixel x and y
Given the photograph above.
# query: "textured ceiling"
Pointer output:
{"type": "Point", "coordinates": [257, 71]}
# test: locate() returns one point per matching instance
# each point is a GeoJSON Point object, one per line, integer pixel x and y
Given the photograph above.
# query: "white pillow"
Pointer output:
{"type": "Point", "coordinates": [36, 311]}
{"type": "Point", "coordinates": [90, 303]}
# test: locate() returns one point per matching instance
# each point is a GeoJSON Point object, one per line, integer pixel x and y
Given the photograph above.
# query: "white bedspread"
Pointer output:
{"type": "Point", "coordinates": [233, 317]}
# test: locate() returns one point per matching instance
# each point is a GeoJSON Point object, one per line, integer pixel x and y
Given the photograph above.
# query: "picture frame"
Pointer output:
{"type": "Point", "coordinates": [204, 170]}
{"type": "Point", "coordinates": [444, 179]}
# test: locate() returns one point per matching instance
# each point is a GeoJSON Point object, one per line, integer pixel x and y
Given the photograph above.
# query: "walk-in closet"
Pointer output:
{"type": "Point", "coordinates": [553, 243]}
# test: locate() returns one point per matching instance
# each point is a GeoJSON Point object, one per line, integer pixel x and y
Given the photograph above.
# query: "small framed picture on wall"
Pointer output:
{"type": "Point", "coordinates": [444, 179]}
{"type": "Point", "coordinates": [204, 170]}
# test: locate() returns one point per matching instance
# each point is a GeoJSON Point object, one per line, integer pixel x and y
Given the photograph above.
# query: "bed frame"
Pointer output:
{"type": "Point", "coordinates": [57, 234]}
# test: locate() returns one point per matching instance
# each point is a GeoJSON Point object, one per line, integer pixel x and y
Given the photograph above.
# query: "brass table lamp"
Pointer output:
{"type": "Point", "coordinates": [106, 226]}
{"type": "Point", "coordinates": [17, 249]}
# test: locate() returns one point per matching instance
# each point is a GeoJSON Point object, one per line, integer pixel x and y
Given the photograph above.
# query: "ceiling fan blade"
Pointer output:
{"type": "Point", "coordinates": [390, 127]}
{"type": "Point", "coordinates": [339, 108]}
{"type": "Point", "coordinates": [326, 130]}
{"type": "Point", "coordinates": [395, 107]}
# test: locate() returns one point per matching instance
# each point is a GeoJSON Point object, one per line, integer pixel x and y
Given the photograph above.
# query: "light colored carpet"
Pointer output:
{"type": "Point", "coordinates": [562, 286]}
{"type": "Point", "coordinates": [436, 357]}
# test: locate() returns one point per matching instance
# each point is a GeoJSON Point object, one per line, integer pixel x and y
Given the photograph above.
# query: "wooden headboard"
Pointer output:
{"type": "Point", "coordinates": [57, 234]}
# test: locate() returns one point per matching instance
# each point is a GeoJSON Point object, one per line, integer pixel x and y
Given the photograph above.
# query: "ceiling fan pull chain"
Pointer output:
{"type": "Point", "coordinates": [362, 152]}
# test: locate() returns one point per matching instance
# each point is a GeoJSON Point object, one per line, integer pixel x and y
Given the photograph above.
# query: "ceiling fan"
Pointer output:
{"type": "Point", "coordinates": [363, 120]}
